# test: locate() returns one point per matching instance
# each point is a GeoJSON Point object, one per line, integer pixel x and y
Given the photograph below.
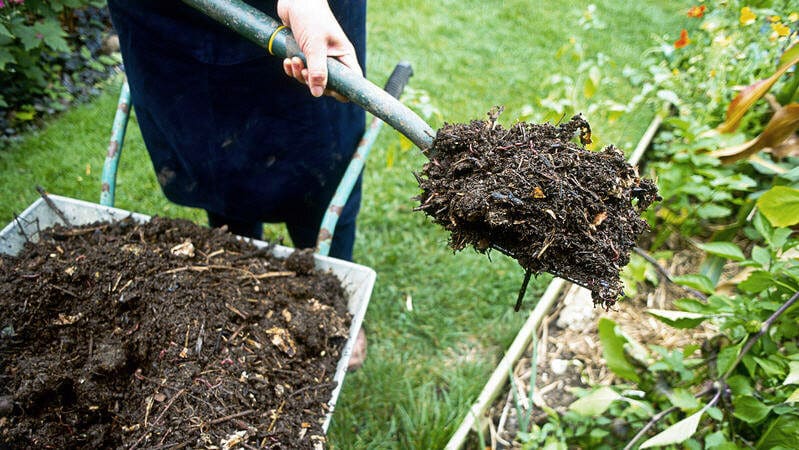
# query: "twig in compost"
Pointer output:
{"type": "Point", "coordinates": [168, 405]}
{"type": "Point", "coordinates": [52, 206]}
{"type": "Point", "coordinates": [66, 291]}
{"type": "Point", "coordinates": [236, 311]}
{"type": "Point", "coordinates": [231, 416]}
{"type": "Point", "coordinates": [317, 386]}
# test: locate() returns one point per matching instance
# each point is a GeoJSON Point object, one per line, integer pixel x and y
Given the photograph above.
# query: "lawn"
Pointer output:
{"type": "Point", "coordinates": [438, 322]}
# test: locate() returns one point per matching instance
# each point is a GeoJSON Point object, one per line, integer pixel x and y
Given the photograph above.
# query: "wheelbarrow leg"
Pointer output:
{"type": "Point", "coordinates": [109, 177]}
{"type": "Point", "coordinates": [394, 86]}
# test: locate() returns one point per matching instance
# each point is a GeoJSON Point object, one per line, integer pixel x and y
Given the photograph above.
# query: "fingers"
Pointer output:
{"type": "Point", "coordinates": [316, 57]}
{"type": "Point", "coordinates": [294, 68]}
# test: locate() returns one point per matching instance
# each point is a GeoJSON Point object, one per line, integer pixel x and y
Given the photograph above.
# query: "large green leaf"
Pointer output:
{"type": "Point", "coordinates": [676, 433]}
{"type": "Point", "coordinates": [749, 409]}
{"type": "Point", "coordinates": [595, 403]}
{"type": "Point", "coordinates": [724, 249]}
{"type": "Point", "coordinates": [782, 432]}
{"type": "Point", "coordinates": [678, 319]}
{"type": "Point", "coordinates": [758, 281]}
{"type": "Point", "coordinates": [699, 282]}
{"type": "Point", "coordinates": [613, 350]}
{"type": "Point", "coordinates": [780, 205]}
{"type": "Point", "coordinates": [52, 34]}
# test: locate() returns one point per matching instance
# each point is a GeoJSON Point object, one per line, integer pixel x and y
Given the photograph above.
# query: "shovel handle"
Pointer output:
{"type": "Point", "coordinates": [266, 32]}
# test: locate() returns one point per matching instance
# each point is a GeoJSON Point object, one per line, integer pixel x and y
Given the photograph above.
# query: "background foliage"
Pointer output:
{"type": "Point", "coordinates": [50, 55]}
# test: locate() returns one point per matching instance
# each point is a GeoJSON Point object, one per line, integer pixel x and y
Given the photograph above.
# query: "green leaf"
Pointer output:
{"type": "Point", "coordinates": [780, 205]}
{"type": "Point", "coordinates": [683, 399]}
{"type": "Point", "coordinates": [4, 32]}
{"type": "Point", "coordinates": [781, 432]}
{"type": "Point", "coordinates": [791, 175]}
{"type": "Point", "coordinates": [678, 319]}
{"type": "Point", "coordinates": [699, 282]}
{"type": "Point", "coordinates": [613, 350]}
{"type": "Point", "coordinates": [780, 237]}
{"type": "Point", "coordinates": [26, 35]}
{"type": "Point", "coordinates": [52, 34]}
{"type": "Point", "coordinates": [713, 211]}
{"type": "Point", "coordinates": [793, 373]}
{"type": "Point", "coordinates": [761, 256]}
{"type": "Point", "coordinates": [724, 249]}
{"type": "Point", "coordinates": [757, 281]}
{"type": "Point", "coordinates": [750, 409]}
{"type": "Point", "coordinates": [793, 398]}
{"type": "Point", "coordinates": [727, 357]}
{"type": "Point", "coordinates": [6, 57]}
{"type": "Point", "coordinates": [772, 368]}
{"type": "Point", "coordinates": [692, 305]}
{"type": "Point", "coordinates": [595, 403]}
{"type": "Point", "coordinates": [762, 226]}
{"type": "Point", "coordinates": [676, 433]}
{"type": "Point", "coordinates": [740, 385]}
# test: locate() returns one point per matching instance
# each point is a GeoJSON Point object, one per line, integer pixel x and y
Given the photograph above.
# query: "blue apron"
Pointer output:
{"type": "Point", "coordinates": [227, 131]}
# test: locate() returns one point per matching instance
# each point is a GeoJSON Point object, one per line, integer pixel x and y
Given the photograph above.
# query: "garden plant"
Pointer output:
{"type": "Point", "coordinates": [725, 161]}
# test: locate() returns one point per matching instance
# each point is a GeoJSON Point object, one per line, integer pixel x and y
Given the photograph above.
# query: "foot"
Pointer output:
{"type": "Point", "coordinates": [358, 352]}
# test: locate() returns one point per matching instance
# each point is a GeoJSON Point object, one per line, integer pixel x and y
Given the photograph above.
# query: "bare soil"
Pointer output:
{"type": "Point", "coordinates": [165, 335]}
{"type": "Point", "coordinates": [534, 193]}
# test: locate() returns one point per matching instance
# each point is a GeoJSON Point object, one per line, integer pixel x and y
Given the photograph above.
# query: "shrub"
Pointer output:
{"type": "Point", "coordinates": [50, 55]}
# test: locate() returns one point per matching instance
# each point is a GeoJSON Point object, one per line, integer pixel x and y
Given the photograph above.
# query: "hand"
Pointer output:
{"type": "Point", "coordinates": [319, 35]}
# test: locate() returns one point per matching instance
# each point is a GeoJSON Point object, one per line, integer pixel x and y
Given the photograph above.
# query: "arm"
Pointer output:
{"type": "Point", "coordinates": [319, 35]}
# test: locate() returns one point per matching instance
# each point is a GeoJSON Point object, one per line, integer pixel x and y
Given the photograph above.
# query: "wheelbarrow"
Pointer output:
{"type": "Point", "coordinates": [357, 280]}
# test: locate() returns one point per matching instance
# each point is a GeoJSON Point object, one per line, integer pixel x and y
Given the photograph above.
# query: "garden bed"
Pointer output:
{"type": "Point", "coordinates": [164, 334]}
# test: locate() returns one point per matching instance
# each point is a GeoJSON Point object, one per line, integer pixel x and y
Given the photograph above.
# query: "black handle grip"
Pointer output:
{"type": "Point", "coordinates": [399, 79]}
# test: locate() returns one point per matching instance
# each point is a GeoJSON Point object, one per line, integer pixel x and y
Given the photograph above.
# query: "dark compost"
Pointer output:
{"type": "Point", "coordinates": [165, 335]}
{"type": "Point", "coordinates": [534, 192]}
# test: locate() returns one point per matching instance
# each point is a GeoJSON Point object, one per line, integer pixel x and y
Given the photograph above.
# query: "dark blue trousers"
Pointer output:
{"type": "Point", "coordinates": [227, 131]}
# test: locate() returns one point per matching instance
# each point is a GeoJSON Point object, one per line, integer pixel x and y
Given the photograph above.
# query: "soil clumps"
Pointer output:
{"type": "Point", "coordinates": [535, 193]}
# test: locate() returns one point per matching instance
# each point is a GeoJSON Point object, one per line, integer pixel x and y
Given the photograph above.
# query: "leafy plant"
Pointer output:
{"type": "Point", "coordinates": [49, 55]}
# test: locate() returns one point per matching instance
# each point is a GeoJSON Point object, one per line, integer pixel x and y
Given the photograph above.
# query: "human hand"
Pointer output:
{"type": "Point", "coordinates": [319, 35]}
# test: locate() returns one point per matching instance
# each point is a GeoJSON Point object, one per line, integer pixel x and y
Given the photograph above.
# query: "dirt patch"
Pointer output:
{"type": "Point", "coordinates": [533, 193]}
{"type": "Point", "coordinates": [165, 335]}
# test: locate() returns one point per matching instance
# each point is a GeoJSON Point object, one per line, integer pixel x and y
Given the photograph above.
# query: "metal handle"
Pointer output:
{"type": "Point", "coordinates": [258, 27]}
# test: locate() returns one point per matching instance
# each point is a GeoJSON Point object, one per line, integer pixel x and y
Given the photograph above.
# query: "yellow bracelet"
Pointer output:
{"type": "Point", "coordinates": [272, 38]}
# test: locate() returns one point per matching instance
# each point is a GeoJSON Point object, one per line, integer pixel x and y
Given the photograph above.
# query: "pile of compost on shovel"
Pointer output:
{"type": "Point", "coordinates": [165, 335]}
{"type": "Point", "coordinates": [535, 194]}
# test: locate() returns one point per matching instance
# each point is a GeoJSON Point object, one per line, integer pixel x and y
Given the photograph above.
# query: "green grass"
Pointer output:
{"type": "Point", "coordinates": [425, 365]}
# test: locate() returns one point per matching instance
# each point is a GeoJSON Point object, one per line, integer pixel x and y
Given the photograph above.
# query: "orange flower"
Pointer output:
{"type": "Point", "coordinates": [683, 40]}
{"type": "Point", "coordinates": [697, 11]}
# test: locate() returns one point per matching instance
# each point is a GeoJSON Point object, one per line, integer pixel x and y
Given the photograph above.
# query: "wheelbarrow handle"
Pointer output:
{"type": "Point", "coordinates": [266, 32]}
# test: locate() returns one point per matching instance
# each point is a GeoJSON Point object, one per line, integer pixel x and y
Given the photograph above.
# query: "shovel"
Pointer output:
{"type": "Point", "coordinates": [266, 32]}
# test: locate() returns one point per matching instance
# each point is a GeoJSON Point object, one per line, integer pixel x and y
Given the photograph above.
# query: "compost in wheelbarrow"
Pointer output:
{"type": "Point", "coordinates": [147, 334]}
